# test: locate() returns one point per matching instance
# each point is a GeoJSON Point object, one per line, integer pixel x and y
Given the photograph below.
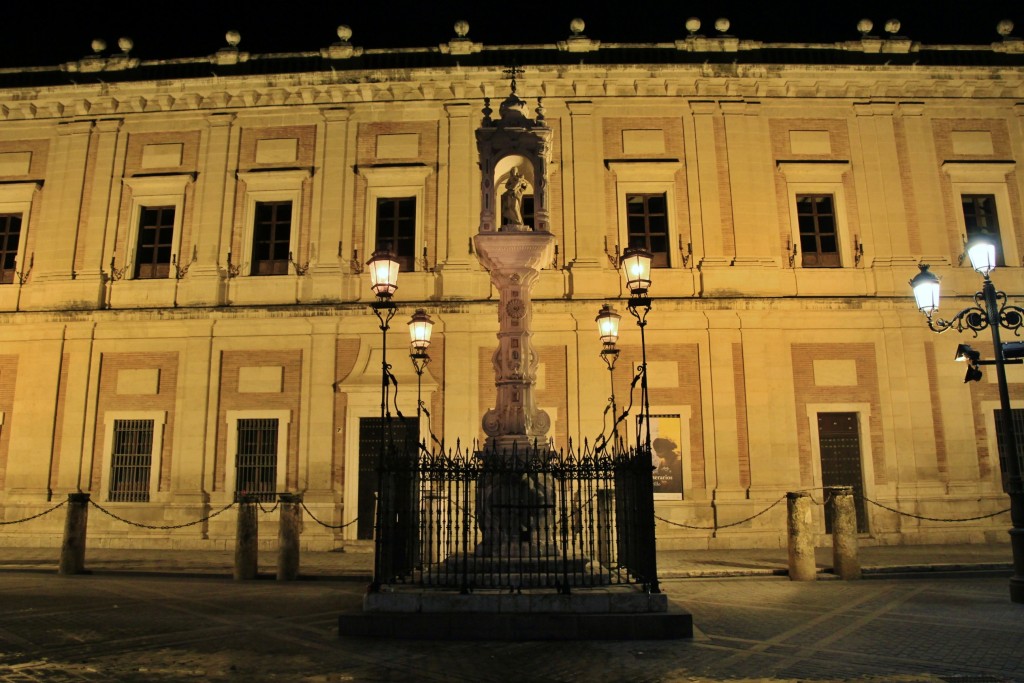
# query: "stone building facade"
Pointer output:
{"type": "Point", "coordinates": [182, 280]}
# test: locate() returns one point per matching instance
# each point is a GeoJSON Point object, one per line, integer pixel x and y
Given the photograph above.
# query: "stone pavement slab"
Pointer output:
{"type": "Point", "coordinates": [163, 629]}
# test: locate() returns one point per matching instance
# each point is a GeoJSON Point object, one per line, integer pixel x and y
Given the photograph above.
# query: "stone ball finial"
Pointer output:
{"type": "Point", "coordinates": [1004, 28]}
{"type": "Point", "coordinates": [233, 38]}
{"type": "Point", "coordinates": [722, 24]}
{"type": "Point", "coordinates": [693, 25]}
{"type": "Point", "coordinates": [461, 28]}
{"type": "Point", "coordinates": [576, 26]}
{"type": "Point", "coordinates": [892, 26]}
{"type": "Point", "coordinates": [865, 26]}
{"type": "Point", "coordinates": [126, 44]}
{"type": "Point", "coordinates": [99, 45]}
{"type": "Point", "coordinates": [344, 33]}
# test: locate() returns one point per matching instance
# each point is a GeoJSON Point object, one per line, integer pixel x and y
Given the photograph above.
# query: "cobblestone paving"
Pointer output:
{"type": "Point", "coordinates": [166, 629]}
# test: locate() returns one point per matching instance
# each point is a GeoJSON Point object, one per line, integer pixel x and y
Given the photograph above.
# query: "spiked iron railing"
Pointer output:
{"type": "Point", "coordinates": [538, 519]}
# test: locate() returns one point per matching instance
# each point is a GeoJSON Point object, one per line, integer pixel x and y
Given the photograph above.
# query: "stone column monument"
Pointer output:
{"type": "Point", "coordinates": [514, 508]}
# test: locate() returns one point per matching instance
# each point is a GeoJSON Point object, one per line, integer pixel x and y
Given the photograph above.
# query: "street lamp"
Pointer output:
{"type": "Point", "coordinates": [990, 310]}
{"type": "Point", "coordinates": [636, 265]}
{"type": "Point", "coordinates": [384, 282]}
{"type": "Point", "coordinates": [420, 327]}
{"type": "Point", "coordinates": [608, 326]}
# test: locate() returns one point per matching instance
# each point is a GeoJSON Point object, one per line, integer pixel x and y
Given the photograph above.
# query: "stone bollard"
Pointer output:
{"type": "Point", "coordinates": [802, 566]}
{"type": "Point", "coordinates": [845, 562]}
{"type": "Point", "coordinates": [72, 549]}
{"type": "Point", "coordinates": [247, 539]}
{"type": "Point", "coordinates": [288, 530]}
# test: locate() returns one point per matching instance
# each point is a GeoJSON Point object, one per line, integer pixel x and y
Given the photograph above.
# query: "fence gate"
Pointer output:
{"type": "Point", "coordinates": [372, 436]}
{"type": "Point", "coordinates": [839, 444]}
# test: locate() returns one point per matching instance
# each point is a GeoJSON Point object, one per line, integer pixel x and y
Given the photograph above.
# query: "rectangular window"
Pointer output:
{"type": "Point", "coordinates": [980, 218]}
{"type": "Point", "coordinates": [819, 243]}
{"type": "Point", "coordinates": [256, 460]}
{"type": "Point", "coordinates": [131, 461]}
{"type": "Point", "coordinates": [10, 237]}
{"type": "Point", "coordinates": [271, 241]}
{"type": "Point", "coordinates": [153, 249]}
{"type": "Point", "coordinates": [396, 229]}
{"type": "Point", "coordinates": [647, 225]}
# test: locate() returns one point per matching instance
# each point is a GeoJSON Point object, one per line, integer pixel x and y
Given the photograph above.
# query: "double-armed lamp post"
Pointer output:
{"type": "Point", "coordinates": [990, 310]}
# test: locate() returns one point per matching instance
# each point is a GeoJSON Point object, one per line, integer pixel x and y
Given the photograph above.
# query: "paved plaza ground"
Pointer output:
{"type": "Point", "coordinates": [133, 626]}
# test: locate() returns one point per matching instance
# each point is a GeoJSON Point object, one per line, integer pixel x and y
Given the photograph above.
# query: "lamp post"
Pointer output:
{"type": "Point", "coordinates": [420, 327]}
{"type": "Point", "coordinates": [608, 326]}
{"type": "Point", "coordinates": [636, 264]}
{"type": "Point", "coordinates": [990, 310]}
{"type": "Point", "coordinates": [384, 282]}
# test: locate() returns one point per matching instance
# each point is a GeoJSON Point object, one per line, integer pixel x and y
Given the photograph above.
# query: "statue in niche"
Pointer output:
{"type": "Point", "coordinates": [512, 200]}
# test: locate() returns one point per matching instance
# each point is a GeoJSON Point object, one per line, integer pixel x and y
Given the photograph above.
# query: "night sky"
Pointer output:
{"type": "Point", "coordinates": [39, 34]}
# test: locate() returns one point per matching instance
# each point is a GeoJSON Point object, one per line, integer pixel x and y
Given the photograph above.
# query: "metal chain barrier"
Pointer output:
{"type": "Point", "coordinates": [265, 510]}
{"type": "Point", "coordinates": [29, 519]}
{"type": "Point", "coordinates": [934, 519]}
{"type": "Point", "coordinates": [325, 524]}
{"type": "Point", "coordinates": [721, 526]}
{"type": "Point", "coordinates": [158, 526]}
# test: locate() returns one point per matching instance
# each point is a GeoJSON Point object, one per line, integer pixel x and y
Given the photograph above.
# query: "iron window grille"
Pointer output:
{"type": "Point", "coordinates": [396, 229]}
{"type": "Point", "coordinates": [256, 460]}
{"type": "Point", "coordinates": [271, 243]}
{"type": "Point", "coordinates": [647, 225]}
{"type": "Point", "coordinates": [131, 461]}
{"type": "Point", "coordinates": [10, 238]}
{"type": "Point", "coordinates": [819, 242]}
{"type": "Point", "coordinates": [153, 251]}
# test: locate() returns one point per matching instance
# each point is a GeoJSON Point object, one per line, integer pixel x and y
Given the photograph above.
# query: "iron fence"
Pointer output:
{"type": "Point", "coordinates": [514, 519]}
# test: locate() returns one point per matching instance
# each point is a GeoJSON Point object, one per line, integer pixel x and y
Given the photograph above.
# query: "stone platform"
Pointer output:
{"type": "Point", "coordinates": [614, 613]}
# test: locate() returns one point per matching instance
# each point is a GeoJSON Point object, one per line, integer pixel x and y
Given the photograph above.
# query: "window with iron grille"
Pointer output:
{"type": "Point", "coordinates": [819, 242]}
{"type": "Point", "coordinates": [153, 250]}
{"type": "Point", "coordinates": [10, 238]}
{"type": "Point", "coordinates": [980, 218]}
{"type": "Point", "coordinates": [131, 460]}
{"type": "Point", "coordinates": [256, 460]}
{"type": "Point", "coordinates": [647, 224]}
{"type": "Point", "coordinates": [396, 229]}
{"type": "Point", "coordinates": [271, 239]}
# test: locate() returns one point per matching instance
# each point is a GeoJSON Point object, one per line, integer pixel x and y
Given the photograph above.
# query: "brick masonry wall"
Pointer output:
{"type": "Point", "coordinates": [865, 391]}
{"type": "Point", "coordinates": [687, 392]}
{"type": "Point", "coordinates": [287, 399]}
{"type": "Point", "coordinates": [366, 155]}
{"type": "Point", "coordinates": [839, 143]}
{"type": "Point", "coordinates": [188, 139]}
{"type": "Point", "coordinates": [942, 130]}
{"type": "Point", "coordinates": [988, 392]}
{"type": "Point", "coordinates": [109, 400]}
{"type": "Point", "coordinates": [612, 147]}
